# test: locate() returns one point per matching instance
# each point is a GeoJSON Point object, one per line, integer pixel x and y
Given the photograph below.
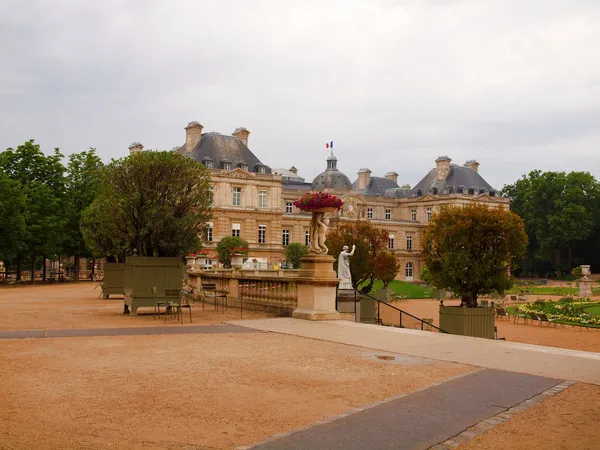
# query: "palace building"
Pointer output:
{"type": "Point", "coordinates": [255, 202]}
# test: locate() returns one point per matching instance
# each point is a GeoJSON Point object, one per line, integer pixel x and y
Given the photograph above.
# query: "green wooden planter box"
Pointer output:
{"type": "Point", "coordinates": [476, 322]}
{"type": "Point", "coordinates": [114, 279]}
{"type": "Point", "coordinates": [143, 273]}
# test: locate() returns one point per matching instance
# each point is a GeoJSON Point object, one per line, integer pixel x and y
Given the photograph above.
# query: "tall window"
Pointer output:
{"type": "Point", "coordinates": [261, 169]}
{"type": "Point", "coordinates": [226, 166]}
{"type": "Point", "coordinates": [388, 214]}
{"type": "Point", "coordinates": [237, 196]}
{"type": "Point", "coordinates": [208, 164]}
{"type": "Point", "coordinates": [289, 207]}
{"type": "Point", "coordinates": [408, 242]}
{"type": "Point", "coordinates": [262, 234]}
{"type": "Point", "coordinates": [369, 213]}
{"type": "Point", "coordinates": [307, 238]}
{"type": "Point", "coordinates": [428, 214]}
{"type": "Point", "coordinates": [211, 189]}
{"type": "Point", "coordinates": [235, 229]}
{"type": "Point", "coordinates": [391, 242]}
{"type": "Point", "coordinates": [262, 199]}
{"type": "Point", "coordinates": [285, 237]}
{"type": "Point", "coordinates": [413, 214]}
{"type": "Point", "coordinates": [209, 232]}
{"type": "Point", "coordinates": [409, 271]}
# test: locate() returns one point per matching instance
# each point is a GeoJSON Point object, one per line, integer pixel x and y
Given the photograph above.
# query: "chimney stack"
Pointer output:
{"type": "Point", "coordinates": [392, 176]}
{"type": "Point", "coordinates": [136, 147]}
{"type": "Point", "coordinates": [442, 168]}
{"type": "Point", "coordinates": [364, 176]}
{"type": "Point", "coordinates": [473, 165]}
{"type": "Point", "coordinates": [294, 170]}
{"type": "Point", "coordinates": [193, 132]}
{"type": "Point", "coordinates": [242, 134]}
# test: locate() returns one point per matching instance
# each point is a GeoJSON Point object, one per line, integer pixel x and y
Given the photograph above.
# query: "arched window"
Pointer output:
{"type": "Point", "coordinates": [409, 271]}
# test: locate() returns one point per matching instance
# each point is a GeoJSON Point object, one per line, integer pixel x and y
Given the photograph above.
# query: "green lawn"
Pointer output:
{"type": "Point", "coordinates": [593, 309]}
{"type": "Point", "coordinates": [544, 290]}
{"type": "Point", "coordinates": [403, 287]}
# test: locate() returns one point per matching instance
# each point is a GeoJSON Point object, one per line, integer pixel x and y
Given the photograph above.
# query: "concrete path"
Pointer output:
{"type": "Point", "coordinates": [137, 331]}
{"type": "Point", "coordinates": [511, 356]}
{"type": "Point", "coordinates": [422, 419]}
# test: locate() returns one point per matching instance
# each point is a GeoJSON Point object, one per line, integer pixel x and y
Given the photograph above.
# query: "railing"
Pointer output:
{"type": "Point", "coordinates": [269, 292]}
{"type": "Point", "coordinates": [385, 314]}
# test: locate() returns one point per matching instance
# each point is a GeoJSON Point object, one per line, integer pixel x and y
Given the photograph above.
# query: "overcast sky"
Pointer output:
{"type": "Point", "coordinates": [514, 84]}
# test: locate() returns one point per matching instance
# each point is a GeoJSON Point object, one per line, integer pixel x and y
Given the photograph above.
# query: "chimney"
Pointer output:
{"type": "Point", "coordinates": [392, 176]}
{"type": "Point", "coordinates": [294, 170]}
{"type": "Point", "coordinates": [442, 168]}
{"type": "Point", "coordinates": [242, 134]}
{"type": "Point", "coordinates": [193, 132]}
{"type": "Point", "coordinates": [473, 165]}
{"type": "Point", "coordinates": [364, 176]}
{"type": "Point", "coordinates": [136, 147]}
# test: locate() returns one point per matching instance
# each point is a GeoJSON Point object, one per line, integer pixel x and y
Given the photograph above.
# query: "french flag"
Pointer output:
{"type": "Point", "coordinates": [330, 145]}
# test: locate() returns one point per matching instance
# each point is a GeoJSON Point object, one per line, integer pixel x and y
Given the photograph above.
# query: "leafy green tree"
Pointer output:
{"type": "Point", "coordinates": [41, 178]}
{"type": "Point", "coordinates": [561, 210]}
{"type": "Point", "coordinates": [369, 241]}
{"type": "Point", "coordinates": [12, 220]}
{"type": "Point", "coordinates": [385, 267]}
{"type": "Point", "coordinates": [471, 250]}
{"type": "Point", "coordinates": [153, 203]}
{"type": "Point", "coordinates": [294, 252]}
{"type": "Point", "coordinates": [83, 184]}
{"type": "Point", "coordinates": [227, 246]}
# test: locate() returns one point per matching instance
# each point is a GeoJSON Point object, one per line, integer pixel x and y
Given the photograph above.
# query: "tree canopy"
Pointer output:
{"type": "Point", "coordinates": [471, 250]}
{"type": "Point", "coordinates": [12, 219]}
{"type": "Point", "coordinates": [151, 203]}
{"type": "Point", "coordinates": [562, 219]}
{"type": "Point", "coordinates": [370, 241]}
{"type": "Point", "coordinates": [229, 245]}
{"type": "Point", "coordinates": [294, 252]}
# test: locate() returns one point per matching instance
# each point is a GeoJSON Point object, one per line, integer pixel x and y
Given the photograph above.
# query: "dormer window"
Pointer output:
{"type": "Point", "coordinates": [434, 191]}
{"type": "Point", "coordinates": [260, 168]}
{"type": "Point", "coordinates": [225, 164]}
{"type": "Point", "coordinates": [208, 163]}
{"type": "Point", "coordinates": [242, 165]}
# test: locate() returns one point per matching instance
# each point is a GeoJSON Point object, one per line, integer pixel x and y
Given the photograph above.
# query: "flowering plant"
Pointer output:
{"type": "Point", "coordinates": [312, 202]}
{"type": "Point", "coordinates": [203, 252]}
{"type": "Point", "coordinates": [238, 251]}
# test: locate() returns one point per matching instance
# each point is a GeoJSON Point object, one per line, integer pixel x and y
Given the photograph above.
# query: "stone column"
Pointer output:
{"type": "Point", "coordinates": [316, 289]}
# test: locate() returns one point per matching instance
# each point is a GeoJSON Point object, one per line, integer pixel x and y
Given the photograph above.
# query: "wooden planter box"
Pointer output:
{"type": "Point", "coordinates": [143, 273]}
{"type": "Point", "coordinates": [476, 322]}
{"type": "Point", "coordinates": [114, 279]}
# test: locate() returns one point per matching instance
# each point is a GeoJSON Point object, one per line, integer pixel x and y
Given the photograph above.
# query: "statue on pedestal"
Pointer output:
{"type": "Point", "coordinates": [318, 233]}
{"type": "Point", "coordinates": [344, 268]}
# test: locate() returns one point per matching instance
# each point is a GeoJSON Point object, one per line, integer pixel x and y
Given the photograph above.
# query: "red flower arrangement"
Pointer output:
{"type": "Point", "coordinates": [313, 202]}
{"type": "Point", "coordinates": [203, 252]}
{"type": "Point", "coordinates": [238, 251]}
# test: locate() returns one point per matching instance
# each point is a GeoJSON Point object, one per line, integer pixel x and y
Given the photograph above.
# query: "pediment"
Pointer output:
{"type": "Point", "coordinates": [240, 173]}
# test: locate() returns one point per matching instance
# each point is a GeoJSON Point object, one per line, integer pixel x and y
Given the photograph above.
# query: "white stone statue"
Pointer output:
{"type": "Point", "coordinates": [318, 234]}
{"type": "Point", "coordinates": [344, 268]}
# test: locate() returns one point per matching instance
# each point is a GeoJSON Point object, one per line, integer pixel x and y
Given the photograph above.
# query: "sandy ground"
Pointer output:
{"type": "Point", "coordinates": [213, 391]}
{"type": "Point", "coordinates": [78, 306]}
{"type": "Point", "coordinates": [568, 420]}
{"type": "Point", "coordinates": [575, 338]}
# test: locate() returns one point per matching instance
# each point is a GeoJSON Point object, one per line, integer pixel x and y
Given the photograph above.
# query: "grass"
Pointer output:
{"type": "Point", "coordinates": [593, 309]}
{"type": "Point", "coordinates": [544, 290]}
{"type": "Point", "coordinates": [402, 287]}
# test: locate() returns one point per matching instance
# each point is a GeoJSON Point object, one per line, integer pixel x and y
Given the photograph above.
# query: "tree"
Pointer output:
{"type": "Point", "coordinates": [150, 203]}
{"type": "Point", "coordinates": [12, 220]}
{"type": "Point", "coordinates": [386, 267]}
{"type": "Point", "coordinates": [561, 212]}
{"type": "Point", "coordinates": [369, 241]}
{"type": "Point", "coordinates": [472, 250]}
{"type": "Point", "coordinates": [83, 184]}
{"type": "Point", "coordinates": [41, 178]}
{"type": "Point", "coordinates": [294, 252]}
{"type": "Point", "coordinates": [227, 246]}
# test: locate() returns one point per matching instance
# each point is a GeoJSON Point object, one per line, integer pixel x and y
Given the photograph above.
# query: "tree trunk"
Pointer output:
{"type": "Point", "coordinates": [93, 268]}
{"type": "Point", "coordinates": [44, 268]}
{"type": "Point", "coordinates": [76, 271]}
{"type": "Point", "coordinates": [19, 257]}
{"type": "Point", "coordinates": [557, 262]}
{"type": "Point", "coordinates": [570, 256]}
{"type": "Point", "coordinates": [33, 270]}
{"type": "Point", "coordinates": [469, 300]}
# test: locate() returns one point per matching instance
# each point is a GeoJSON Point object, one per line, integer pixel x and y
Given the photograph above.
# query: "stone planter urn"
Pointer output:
{"type": "Point", "coordinates": [237, 261]}
{"type": "Point", "coordinates": [201, 261]}
{"type": "Point", "coordinates": [190, 261]}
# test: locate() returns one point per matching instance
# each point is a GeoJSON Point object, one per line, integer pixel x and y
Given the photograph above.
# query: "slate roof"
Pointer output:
{"type": "Point", "coordinates": [458, 176]}
{"type": "Point", "coordinates": [220, 147]}
{"type": "Point", "coordinates": [377, 186]}
{"type": "Point", "coordinates": [289, 175]}
{"type": "Point", "coordinates": [332, 178]}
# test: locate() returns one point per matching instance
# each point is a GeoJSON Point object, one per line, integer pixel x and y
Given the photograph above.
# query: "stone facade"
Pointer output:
{"type": "Point", "coordinates": [256, 203]}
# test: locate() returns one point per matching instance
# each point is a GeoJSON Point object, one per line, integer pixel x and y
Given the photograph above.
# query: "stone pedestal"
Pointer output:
{"type": "Point", "coordinates": [585, 287]}
{"type": "Point", "coordinates": [317, 283]}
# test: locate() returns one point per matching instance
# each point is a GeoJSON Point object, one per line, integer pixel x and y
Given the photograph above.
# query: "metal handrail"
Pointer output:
{"type": "Point", "coordinates": [423, 323]}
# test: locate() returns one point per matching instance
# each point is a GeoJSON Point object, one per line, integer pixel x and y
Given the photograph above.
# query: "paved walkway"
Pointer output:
{"type": "Point", "coordinates": [422, 419]}
{"type": "Point", "coordinates": [137, 331]}
{"type": "Point", "coordinates": [511, 356]}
